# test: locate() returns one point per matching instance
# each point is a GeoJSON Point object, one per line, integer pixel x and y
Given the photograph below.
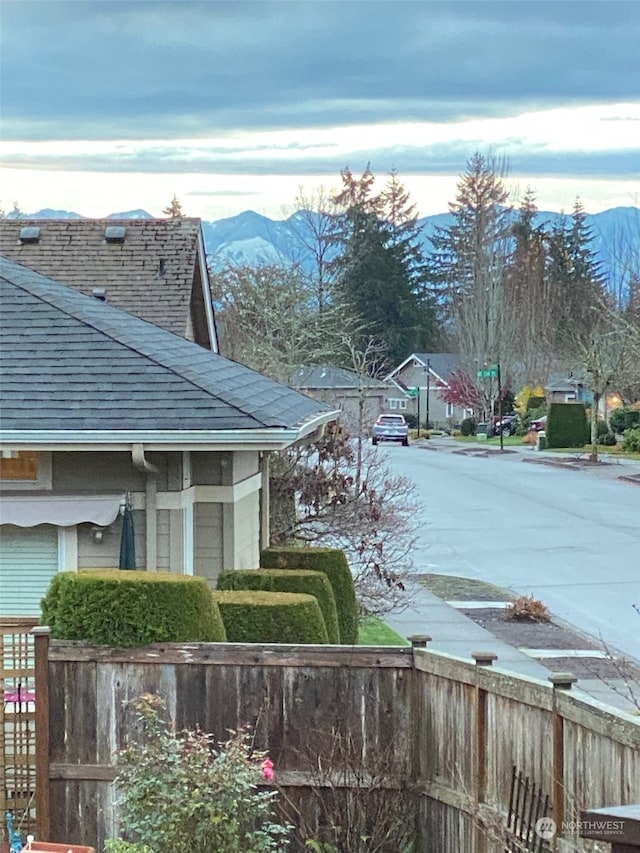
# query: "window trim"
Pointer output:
{"type": "Point", "coordinates": [42, 483]}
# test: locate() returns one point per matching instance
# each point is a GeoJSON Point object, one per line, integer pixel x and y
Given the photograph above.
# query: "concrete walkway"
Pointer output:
{"type": "Point", "coordinates": [456, 634]}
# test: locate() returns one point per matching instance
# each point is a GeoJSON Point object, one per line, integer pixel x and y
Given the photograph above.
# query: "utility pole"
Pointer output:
{"type": "Point", "coordinates": [500, 407]}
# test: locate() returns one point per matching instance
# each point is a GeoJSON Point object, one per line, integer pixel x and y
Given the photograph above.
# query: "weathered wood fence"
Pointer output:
{"type": "Point", "coordinates": [456, 729]}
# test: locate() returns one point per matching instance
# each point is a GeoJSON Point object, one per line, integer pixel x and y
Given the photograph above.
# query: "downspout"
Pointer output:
{"type": "Point", "coordinates": [151, 512]}
{"type": "Point", "coordinates": [264, 502]}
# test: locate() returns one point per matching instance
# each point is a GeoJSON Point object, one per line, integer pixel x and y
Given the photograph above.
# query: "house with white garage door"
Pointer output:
{"type": "Point", "coordinates": [106, 416]}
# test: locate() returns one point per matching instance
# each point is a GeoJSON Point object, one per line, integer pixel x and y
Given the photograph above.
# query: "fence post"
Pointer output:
{"type": "Point", "coordinates": [482, 659]}
{"type": "Point", "coordinates": [560, 681]}
{"type": "Point", "coordinates": [619, 825]}
{"type": "Point", "coordinates": [41, 655]}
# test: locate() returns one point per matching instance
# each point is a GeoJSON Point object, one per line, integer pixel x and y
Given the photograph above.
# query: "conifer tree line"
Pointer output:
{"type": "Point", "coordinates": [498, 286]}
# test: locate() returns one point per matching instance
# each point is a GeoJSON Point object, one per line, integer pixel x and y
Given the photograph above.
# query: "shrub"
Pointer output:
{"type": "Point", "coordinates": [411, 419]}
{"type": "Point", "coordinates": [535, 404]}
{"type": "Point", "coordinates": [184, 791]}
{"type": "Point", "coordinates": [609, 440]}
{"type": "Point", "coordinates": [333, 563]}
{"type": "Point", "coordinates": [468, 426]}
{"type": "Point", "coordinates": [567, 425]}
{"type": "Point", "coordinates": [287, 580]}
{"type": "Point", "coordinates": [129, 608]}
{"type": "Point", "coordinates": [631, 440]}
{"type": "Point", "coordinates": [526, 608]}
{"type": "Point", "coordinates": [270, 617]}
{"type": "Point", "coordinates": [623, 419]}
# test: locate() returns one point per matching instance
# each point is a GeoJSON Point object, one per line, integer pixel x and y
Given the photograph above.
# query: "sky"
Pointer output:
{"type": "Point", "coordinates": [111, 105]}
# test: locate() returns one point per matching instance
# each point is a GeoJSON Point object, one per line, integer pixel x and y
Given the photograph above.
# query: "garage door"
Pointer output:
{"type": "Point", "coordinates": [28, 561]}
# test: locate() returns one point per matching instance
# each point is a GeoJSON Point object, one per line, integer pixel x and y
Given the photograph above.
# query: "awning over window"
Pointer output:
{"type": "Point", "coordinates": [62, 511]}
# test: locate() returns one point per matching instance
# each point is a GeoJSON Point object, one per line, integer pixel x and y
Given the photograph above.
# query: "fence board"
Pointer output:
{"type": "Point", "coordinates": [425, 716]}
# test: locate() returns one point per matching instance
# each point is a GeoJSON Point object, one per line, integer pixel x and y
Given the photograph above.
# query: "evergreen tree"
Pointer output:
{"type": "Point", "coordinates": [174, 210]}
{"type": "Point", "coordinates": [469, 266]}
{"type": "Point", "coordinates": [379, 277]}
{"type": "Point", "coordinates": [576, 278]}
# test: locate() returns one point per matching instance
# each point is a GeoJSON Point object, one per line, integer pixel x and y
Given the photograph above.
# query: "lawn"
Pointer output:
{"type": "Point", "coordinates": [374, 632]}
{"type": "Point", "coordinates": [452, 588]}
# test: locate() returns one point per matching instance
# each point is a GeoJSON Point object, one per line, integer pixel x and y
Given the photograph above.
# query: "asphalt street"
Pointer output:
{"type": "Point", "coordinates": [570, 538]}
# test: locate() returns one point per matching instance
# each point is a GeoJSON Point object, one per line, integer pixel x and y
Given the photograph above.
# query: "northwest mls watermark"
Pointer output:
{"type": "Point", "coordinates": [546, 828]}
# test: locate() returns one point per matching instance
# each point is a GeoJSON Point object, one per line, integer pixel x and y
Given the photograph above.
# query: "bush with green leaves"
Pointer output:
{"type": "Point", "coordinates": [609, 440]}
{"type": "Point", "coordinates": [622, 419]}
{"type": "Point", "coordinates": [631, 440]}
{"type": "Point", "coordinates": [567, 425]}
{"type": "Point", "coordinates": [270, 617]}
{"type": "Point", "coordinates": [468, 426]}
{"type": "Point", "coordinates": [287, 580]}
{"type": "Point", "coordinates": [331, 561]}
{"type": "Point", "coordinates": [131, 608]}
{"type": "Point", "coordinates": [183, 791]}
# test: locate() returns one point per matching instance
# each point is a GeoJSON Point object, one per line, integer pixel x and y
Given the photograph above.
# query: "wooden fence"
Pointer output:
{"type": "Point", "coordinates": [455, 729]}
{"type": "Point", "coordinates": [17, 721]}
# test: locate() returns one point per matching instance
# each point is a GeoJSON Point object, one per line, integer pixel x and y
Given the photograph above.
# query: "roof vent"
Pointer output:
{"type": "Point", "coordinates": [114, 233]}
{"type": "Point", "coordinates": [29, 234]}
{"type": "Point", "coordinates": [100, 293]}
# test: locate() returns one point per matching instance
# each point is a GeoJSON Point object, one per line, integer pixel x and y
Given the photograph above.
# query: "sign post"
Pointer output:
{"type": "Point", "coordinates": [415, 392]}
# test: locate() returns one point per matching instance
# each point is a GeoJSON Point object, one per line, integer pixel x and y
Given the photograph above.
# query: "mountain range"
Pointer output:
{"type": "Point", "coordinates": [252, 239]}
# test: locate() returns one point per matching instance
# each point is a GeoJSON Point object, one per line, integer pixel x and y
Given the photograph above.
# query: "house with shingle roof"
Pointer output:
{"type": "Point", "coordinates": [429, 373]}
{"type": "Point", "coordinates": [153, 268]}
{"type": "Point", "coordinates": [360, 398]}
{"type": "Point", "coordinates": [101, 409]}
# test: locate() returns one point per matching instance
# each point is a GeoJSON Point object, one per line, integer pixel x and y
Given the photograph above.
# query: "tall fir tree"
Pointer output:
{"type": "Point", "coordinates": [469, 264]}
{"type": "Point", "coordinates": [380, 280]}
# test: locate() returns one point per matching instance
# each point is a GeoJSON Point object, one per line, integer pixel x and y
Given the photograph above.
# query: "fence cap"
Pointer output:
{"type": "Point", "coordinates": [563, 680]}
{"type": "Point", "coordinates": [41, 630]}
{"type": "Point", "coordinates": [419, 640]}
{"type": "Point", "coordinates": [615, 824]}
{"type": "Point", "coordinates": [484, 658]}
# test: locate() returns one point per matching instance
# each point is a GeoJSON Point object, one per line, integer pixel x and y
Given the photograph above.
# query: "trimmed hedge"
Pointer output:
{"type": "Point", "coordinates": [567, 425]}
{"type": "Point", "coordinates": [287, 580]}
{"type": "Point", "coordinates": [270, 617]}
{"type": "Point", "coordinates": [333, 563]}
{"type": "Point", "coordinates": [129, 608]}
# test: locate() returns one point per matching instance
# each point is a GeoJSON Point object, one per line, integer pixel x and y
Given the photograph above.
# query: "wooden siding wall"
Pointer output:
{"type": "Point", "coordinates": [456, 729]}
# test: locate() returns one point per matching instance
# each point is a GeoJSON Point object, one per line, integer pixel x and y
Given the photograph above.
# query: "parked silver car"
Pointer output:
{"type": "Point", "coordinates": [390, 428]}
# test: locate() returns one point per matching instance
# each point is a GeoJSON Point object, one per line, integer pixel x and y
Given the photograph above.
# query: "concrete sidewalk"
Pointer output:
{"type": "Point", "coordinates": [456, 634]}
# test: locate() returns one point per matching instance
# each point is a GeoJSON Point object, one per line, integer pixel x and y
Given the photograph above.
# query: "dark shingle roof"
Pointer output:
{"type": "Point", "coordinates": [71, 362]}
{"type": "Point", "coordinates": [441, 363]}
{"type": "Point", "coordinates": [149, 274]}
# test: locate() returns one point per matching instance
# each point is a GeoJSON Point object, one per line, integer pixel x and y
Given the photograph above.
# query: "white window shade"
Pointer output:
{"type": "Point", "coordinates": [61, 511]}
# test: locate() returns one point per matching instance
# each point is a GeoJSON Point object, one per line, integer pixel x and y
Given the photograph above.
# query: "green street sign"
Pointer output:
{"type": "Point", "coordinates": [490, 373]}
{"type": "Point", "coordinates": [413, 392]}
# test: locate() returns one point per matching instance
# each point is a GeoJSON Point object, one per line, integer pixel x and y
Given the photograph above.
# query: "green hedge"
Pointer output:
{"type": "Point", "coordinates": [129, 608]}
{"type": "Point", "coordinates": [270, 617]}
{"type": "Point", "coordinates": [287, 580]}
{"type": "Point", "coordinates": [333, 563]}
{"type": "Point", "coordinates": [567, 425]}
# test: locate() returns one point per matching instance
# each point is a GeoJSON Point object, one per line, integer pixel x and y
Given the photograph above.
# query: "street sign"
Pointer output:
{"type": "Point", "coordinates": [413, 392]}
{"type": "Point", "coordinates": [489, 373]}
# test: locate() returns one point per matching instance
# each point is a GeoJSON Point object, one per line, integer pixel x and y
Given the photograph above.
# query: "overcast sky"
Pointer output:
{"type": "Point", "coordinates": [109, 105]}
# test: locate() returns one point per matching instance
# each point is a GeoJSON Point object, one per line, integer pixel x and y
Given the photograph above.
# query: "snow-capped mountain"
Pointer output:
{"type": "Point", "coordinates": [252, 239]}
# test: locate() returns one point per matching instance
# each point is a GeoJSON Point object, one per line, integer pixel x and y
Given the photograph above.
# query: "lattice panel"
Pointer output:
{"type": "Point", "coordinates": [17, 723]}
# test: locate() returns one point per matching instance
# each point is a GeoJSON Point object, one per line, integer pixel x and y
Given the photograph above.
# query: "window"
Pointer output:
{"type": "Point", "coordinates": [25, 469]}
{"type": "Point", "coordinates": [395, 403]}
{"type": "Point", "coordinates": [403, 404]}
{"type": "Point", "coordinates": [449, 411]}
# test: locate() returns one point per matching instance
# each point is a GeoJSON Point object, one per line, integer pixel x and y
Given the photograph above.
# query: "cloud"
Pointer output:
{"type": "Point", "coordinates": [86, 70]}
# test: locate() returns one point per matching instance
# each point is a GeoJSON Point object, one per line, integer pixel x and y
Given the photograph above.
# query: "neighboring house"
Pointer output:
{"type": "Point", "coordinates": [153, 268]}
{"type": "Point", "coordinates": [100, 408]}
{"type": "Point", "coordinates": [360, 399]}
{"type": "Point", "coordinates": [428, 372]}
{"type": "Point", "coordinates": [568, 387]}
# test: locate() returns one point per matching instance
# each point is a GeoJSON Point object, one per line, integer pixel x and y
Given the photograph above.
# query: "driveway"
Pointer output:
{"type": "Point", "coordinates": [569, 537]}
